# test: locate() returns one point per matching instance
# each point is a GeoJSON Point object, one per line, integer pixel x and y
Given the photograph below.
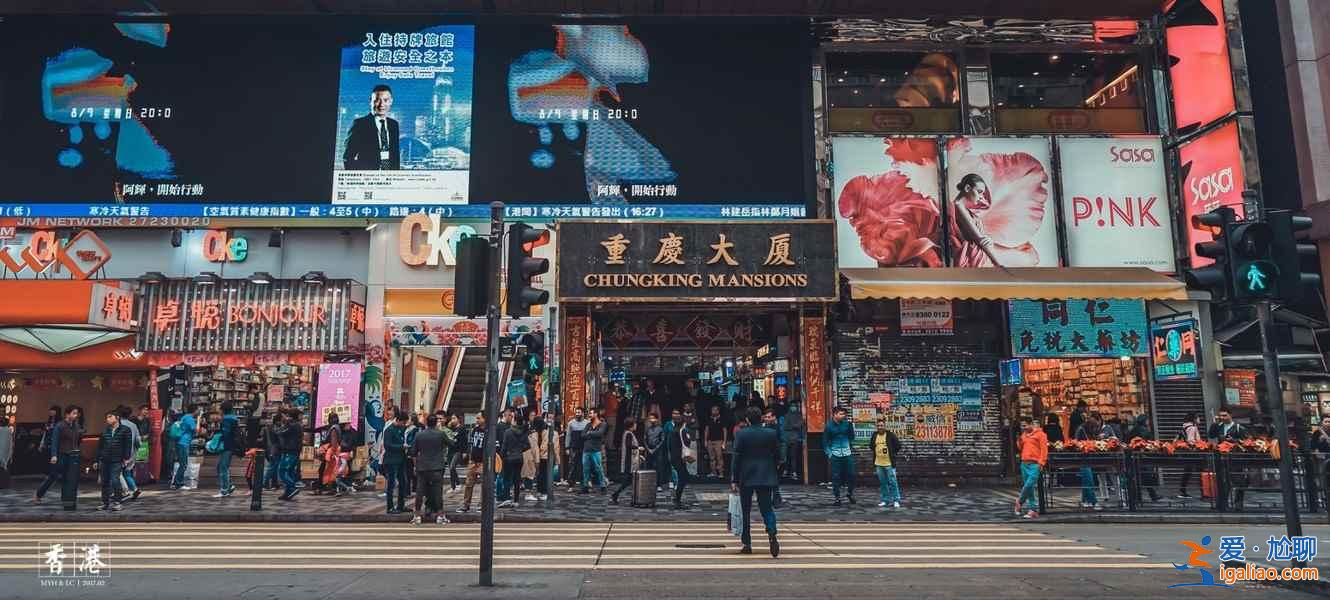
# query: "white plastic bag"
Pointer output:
{"type": "Point", "coordinates": [192, 473]}
{"type": "Point", "coordinates": [736, 522]}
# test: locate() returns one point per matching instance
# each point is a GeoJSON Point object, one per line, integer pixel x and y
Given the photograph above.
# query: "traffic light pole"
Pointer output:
{"type": "Point", "coordinates": [1275, 399]}
{"type": "Point", "coordinates": [491, 398]}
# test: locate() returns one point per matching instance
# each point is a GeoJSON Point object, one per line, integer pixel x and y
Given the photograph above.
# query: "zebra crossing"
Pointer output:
{"type": "Point", "coordinates": [692, 546]}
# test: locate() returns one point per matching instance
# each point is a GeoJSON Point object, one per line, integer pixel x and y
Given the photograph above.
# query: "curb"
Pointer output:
{"type": "Point", "coordinates": [1156, 519]}
{"type": "Point", "coordinates": [1320, 587]}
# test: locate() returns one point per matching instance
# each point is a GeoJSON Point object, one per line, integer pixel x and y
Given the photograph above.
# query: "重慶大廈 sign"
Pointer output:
{"type": "Point", "coordinates": [1173, 347]}
{"type": "Point", "coordinates": [1079, 327]}
{"type": "Point", "coordinates": [240, 316]}
{"type": "Point", "coordinates": [697, 261]}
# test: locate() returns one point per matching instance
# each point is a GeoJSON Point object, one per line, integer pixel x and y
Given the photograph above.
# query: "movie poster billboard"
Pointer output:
{"type": "Point", "coordinates": [887, 208]}
{"type": "Point", "coordinates": [404, 117]}
{"type": "Point", "coordinates": [1115, 195]}
{"type": "Point", "coordinates": [1212, 176]}
{"type": "Point", "coordinates": [1000, 202]}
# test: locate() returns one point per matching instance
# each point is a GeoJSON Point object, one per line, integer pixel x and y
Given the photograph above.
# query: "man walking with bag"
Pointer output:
{"type": "Point", "coordinates": [755, 472]}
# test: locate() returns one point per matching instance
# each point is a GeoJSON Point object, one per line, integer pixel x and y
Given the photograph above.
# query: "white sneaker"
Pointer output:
{"type": "Point", "coordinates": [1099, 508]}
{"type": "Point", "coordinates": [671, 485]}
{"type": "Point", "coordinates": [895, 504]}
{"type": "Point", "coordinates": [544, 497]}
{"type": "Point", "coordinates": [1031, 515]}
{"type": "Point", "coordinates": [441, 520]}
{"type": "Point", "coordinates": [415, 520]}
{"type": "Point", "coordinates": [530, 498]}
{"type": "Point", "coordinates": [881, 504]}
{"type": "Point", "coordinates": [220, 495]}
{"type": "Point", "coordinates": [505, 504]}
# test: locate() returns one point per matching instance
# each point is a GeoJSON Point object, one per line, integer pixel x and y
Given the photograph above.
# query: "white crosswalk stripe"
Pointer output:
{"type": "Point", "coordinates": [592, 546]}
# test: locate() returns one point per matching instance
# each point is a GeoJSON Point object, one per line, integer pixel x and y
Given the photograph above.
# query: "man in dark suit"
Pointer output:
{"type": "Point", "coordinates": [373, 143]}
{"type": "Point", "coordinates": [754, 471]}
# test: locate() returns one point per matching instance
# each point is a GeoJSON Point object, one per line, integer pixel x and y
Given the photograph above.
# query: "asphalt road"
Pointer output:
{"type": "Point", "coordinates": [600, 560]}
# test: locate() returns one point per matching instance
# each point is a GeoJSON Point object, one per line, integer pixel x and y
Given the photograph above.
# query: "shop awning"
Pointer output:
{"type": "Point", "coordinates": [1013, 283]}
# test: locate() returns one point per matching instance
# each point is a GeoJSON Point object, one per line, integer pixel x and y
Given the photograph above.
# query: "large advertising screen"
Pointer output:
{"type": "Point", "coordinates": [1212, 176]}
{"type": "Point", "coordinates": [1199, 68]}
{"type": "Point", "coordinates": [1115, 195]}
{"type": "Point", "coordinates": [352, 116]}
{"type": "Point", "coordinates": [1001, 204]}
{"type": "Point", "coordinates": [887, 208]}
{"type": "Point", "coordinates": [641, 113]}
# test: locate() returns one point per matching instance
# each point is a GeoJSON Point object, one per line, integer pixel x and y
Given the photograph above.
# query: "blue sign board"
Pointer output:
{"type": "Point", "coordinates": [144, 214]}
{"type": "Point", "coordinates": [964, 391]}
{"type": "Point", "coordinates": [1011, 372]}
{"type": "Point", "coordinates": [1079, 327]}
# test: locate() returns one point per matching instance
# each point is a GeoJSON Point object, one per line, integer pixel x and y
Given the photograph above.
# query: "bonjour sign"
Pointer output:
{"type": "Point", "coordinates": [697, 261]}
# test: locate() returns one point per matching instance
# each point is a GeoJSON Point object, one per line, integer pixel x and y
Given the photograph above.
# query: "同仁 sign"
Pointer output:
{"type": "Point", "coordinates": [1079, 327]}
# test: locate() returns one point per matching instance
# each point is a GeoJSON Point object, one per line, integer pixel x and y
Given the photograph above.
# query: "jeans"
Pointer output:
{"type": "Point", "coordinates": [270, 470]}
{"type": "Point", "coordinates": [127, 478]}
{"type": "Point", "coordinates": [453, 459]}
{"type": "Point", "coordinates": [888, 490]}
{"type": "Point", "coordinates": [576, 473]}
{"type": "Point", "coordinates": [681, 481]}
{"type": "Point", "coordinates": [794, 457]}
{"type": "Point", "coordinates": [1029, 486]}
{"type": "Point", "coordinates": [224, 471]}
{"type": "Point", "coordinates": [512, 480]}
{"type": "Point", "coordinates": [55, 473]}
{"type": "Point", "coordinates": [842, 473]}
{"type": "Point", "coordinates": [396, 477]}
{"type": "Point", "coordinates": [1087, 486]}
{"type": "Point", "coordinates": [287, 471]}
{"type": "Point", "coordinates": [182, 465]}
{"type": "Point", "coordinates": [111, 490]}
{"type": "Point", "coordinates": [593, 469]}
{"type": "Point", "coordinates": [763, 505]}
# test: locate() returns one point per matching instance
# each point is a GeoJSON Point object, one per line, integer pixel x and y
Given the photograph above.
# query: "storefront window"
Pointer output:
{"type": "Point", "coordinates": [1068, 93]}
{"type": "Point", "coordinates": [893, 92]}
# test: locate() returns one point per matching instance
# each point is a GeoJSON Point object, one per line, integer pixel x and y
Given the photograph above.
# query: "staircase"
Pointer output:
{"type": "Point", "coordinates": [469, 392]}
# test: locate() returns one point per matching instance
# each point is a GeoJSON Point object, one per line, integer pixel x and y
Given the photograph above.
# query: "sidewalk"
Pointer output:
{"type": "Point", "coordinates": [708, 501]}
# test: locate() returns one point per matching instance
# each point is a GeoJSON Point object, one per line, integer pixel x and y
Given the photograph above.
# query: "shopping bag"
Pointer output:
{"type": "Point", "coordinates": [214, 445]}
{"type": "Point", "coordinates": [192, 472]}
{"type": "Point", "coordinates": [736, 514]}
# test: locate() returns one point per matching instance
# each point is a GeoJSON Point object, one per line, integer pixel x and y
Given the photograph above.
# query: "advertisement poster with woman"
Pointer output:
{"type": "Point", "coordinates": [1000, 203]}
{"type": "Point", "coordinates": [888, 213]}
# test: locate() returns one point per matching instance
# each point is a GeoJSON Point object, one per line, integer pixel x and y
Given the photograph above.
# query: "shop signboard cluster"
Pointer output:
{"type": "Point", "coordinates": [1079, 327]}
{"type": "Point", "coordinates": [696, 261]}
{"type": "Point", "coordinates": [927, 316]}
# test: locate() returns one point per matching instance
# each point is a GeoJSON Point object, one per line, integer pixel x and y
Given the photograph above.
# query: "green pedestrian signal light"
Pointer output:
{"type": "Point", "coordinates": [1259, 278]}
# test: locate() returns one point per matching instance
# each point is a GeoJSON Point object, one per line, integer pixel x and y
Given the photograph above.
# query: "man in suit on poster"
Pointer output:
{"type": "Point", "coordinates": [373, 143]}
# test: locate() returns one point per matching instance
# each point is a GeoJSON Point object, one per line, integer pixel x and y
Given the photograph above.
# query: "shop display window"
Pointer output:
{"type": "Point", "coordinates": [893, 92]}
{"type": "Point", "coordinates": [1114, 388]}
{"type": "Point", "coordinates": [1053, 92]}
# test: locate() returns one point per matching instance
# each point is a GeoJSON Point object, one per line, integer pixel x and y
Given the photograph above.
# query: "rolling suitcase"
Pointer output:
{"type": "Point", "coordinates": [1209, 489]}
{"type": "Point", "coordinates": [644, 489]}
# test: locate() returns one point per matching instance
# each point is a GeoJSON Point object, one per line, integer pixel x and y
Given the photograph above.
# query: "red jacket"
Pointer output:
{"type": "Point", "coordinates": [1034, 447]}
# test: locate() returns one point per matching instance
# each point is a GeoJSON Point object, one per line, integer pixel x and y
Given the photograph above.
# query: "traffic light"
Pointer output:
{"type": "Point", "coordinates": [522, 241]}
{"type": "Point", "coordinates": [535, 352]}
{"type": "Point", "coordinates": [1287, 253]}
{"type": "Point", "coordinates": [471, 288]}
{"type": "Point", "coordinates": [1255, 275]}
{"type": "Point", "coordinates": [1213, 277]}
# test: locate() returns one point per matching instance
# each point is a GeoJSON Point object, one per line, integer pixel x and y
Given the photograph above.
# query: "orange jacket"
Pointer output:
{"type": "Point", "coordinates": [1034, 447]}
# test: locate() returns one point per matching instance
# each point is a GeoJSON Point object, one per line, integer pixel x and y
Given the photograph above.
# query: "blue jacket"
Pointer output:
{"type": "Point", "coordinates": [837, 434]}
{"type": "Point", "coordinates": [228, 430]}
